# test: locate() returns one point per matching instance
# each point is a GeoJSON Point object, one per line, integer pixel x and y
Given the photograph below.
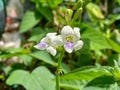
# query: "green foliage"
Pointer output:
{"type": "Point", "coordinates": [29, 20]}
{"type": "Point", "coordinates": [118, 1]}
{"type": "Point", "coordinates": [112, 19]}
{"type": "Point", "coordinates": [94, 67]}
{"type": "Point", "coordinates": [14, 52]}
{"type": "Point", "coordinates": [51, 3]}
{"type": "Point", "coordinates": [114, 46]}
{"type": "Point", "coordinates": [96, 39]}
{"type": "Point", "coordinates": [38, 33]}
{"type": "Point", "coordinates": [42, 55]}
{"type": "Point", "coordinates": [45, 11]}
{"type": "Point", "coordinates": [26, 59]}
{"type": "Point", "coordinates": [102, 83]}
{"type": "Point", "coordinates": [85, 73]}
{"type": "Point", "coordinates": [40, 79]}
{"type": "Point", "coordinates": [72, 84]}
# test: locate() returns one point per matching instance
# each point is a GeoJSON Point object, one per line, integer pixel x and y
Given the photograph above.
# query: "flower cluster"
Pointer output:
{"type": "Point", "coordinates": [69, 39]}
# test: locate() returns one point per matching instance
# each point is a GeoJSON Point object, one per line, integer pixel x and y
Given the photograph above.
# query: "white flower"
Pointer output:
{"type": "Point", "coordinates": [49, 43]}
{"type": "Point", "coordinates": [71, 39]}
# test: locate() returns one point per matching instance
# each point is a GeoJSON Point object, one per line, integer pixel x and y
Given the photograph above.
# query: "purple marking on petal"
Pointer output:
{"type": "Point", "coordinates": [42, 44]}
{"type": "Point", "coordinates": [69, 45]}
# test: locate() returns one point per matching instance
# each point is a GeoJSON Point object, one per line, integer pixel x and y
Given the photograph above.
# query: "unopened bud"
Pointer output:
{"type": "Point", "coordinates": [68, 15]}
{"type": "Point", "coordinates": [94, 11]}
{"type": "Point", "coordinates": [80, 3]}
{"type": "Point", "coordinates": [77, 14]}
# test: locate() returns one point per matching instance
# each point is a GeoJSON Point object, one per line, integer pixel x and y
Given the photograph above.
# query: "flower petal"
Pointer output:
{"type": "Point", "coordinates": [43, 39]}
{"type": "Point", "coordinates": [49, 37]}
{"type": "Point", "coordinates": [51, 50]}
{"type": "Point", "coordinates": [51, 34]}
{"type": "Point", "coordinates": [78, 45]}
{"type": "Point", "coordinates": [69, 47]}
{"type": "Point", "coordinates": [67, 30]}
{"type": "Point", "coordinates": [37, 47]}
{"type": "Point", "coordinates": [42, 45]}
{"type": "Point", "coordinates": [77, 32]}
{"type": "Point", "coordinates": [57, 40]}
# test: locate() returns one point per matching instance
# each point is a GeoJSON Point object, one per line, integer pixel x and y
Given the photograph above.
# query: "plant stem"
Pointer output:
{"type": "Point", "coordinates": [58, 72]}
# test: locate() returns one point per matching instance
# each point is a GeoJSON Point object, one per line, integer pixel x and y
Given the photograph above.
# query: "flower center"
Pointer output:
{"type": "Point", "coordinates": [69, 38]}
{"type": "Point", "coordinates": [43, 44]}
{"type": "Point", "coordinates": [69, 45]}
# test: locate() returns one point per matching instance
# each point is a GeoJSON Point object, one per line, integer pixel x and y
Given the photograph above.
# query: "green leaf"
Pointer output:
{"type": "Point", "coordinates": [104, 82]}
{"type": "Point", "coordinates": [38, 33]}
{"type": "Point", "coordinates": [94, 88]}
{"type": "Point", "coordinates": [118, 1]}
{"type": "Point", "coordinates": [38, 1]}
{"type": "Point", "coordinates": [109, 87]}
{"type": "Point", "coordinates": [96, 39]}
{"type": "Point", "coordinates": [40, 79]}
{"type": "Point", "coordinates": [17, 77]}
{"type": "Point", "coordinates": [114, 45]}
{"type": "Point", "coordinates": [8, 53]}
{"type": "Point", "coordinates": [45, 11]}
{"type": "Point", "coordinates": [72, 84]}
{"type": "Point", "coordinates": [113, 57]}
{"type": "Point", "coordinates": [16, 50]}
{"type": "Point", "coordinates": [54, 3]}
{"type": "Point", "coordinates": [30, 19]}
{"type": "Point", "coordinates": [26, 59]}
{"type": "Point", "coordinates": [111, 19]}
{"type": "Point", "coordinates": [42, 55]}
{"type": "Point", "coordinates": [51, 3]}
{"type": "Point", "coordinates": [85, 73]}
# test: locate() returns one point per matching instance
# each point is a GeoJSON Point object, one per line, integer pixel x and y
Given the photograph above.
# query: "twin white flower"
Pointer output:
{"type": "Point", "coordinates": [69, 38]}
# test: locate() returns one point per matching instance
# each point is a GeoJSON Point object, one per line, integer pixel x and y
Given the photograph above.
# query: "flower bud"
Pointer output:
{"type": "Point", "coordinates": [68, 15]}
{"type": "Point", "coordinates": [79, 4]}
{"type": "Point", "coordinates": [77, 14]}
{"type": "Point", "coordinates": [94, 11]}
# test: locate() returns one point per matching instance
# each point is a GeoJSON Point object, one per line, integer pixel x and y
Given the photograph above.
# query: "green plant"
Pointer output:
{"type": "Point", "coordinates": [92, 65]}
